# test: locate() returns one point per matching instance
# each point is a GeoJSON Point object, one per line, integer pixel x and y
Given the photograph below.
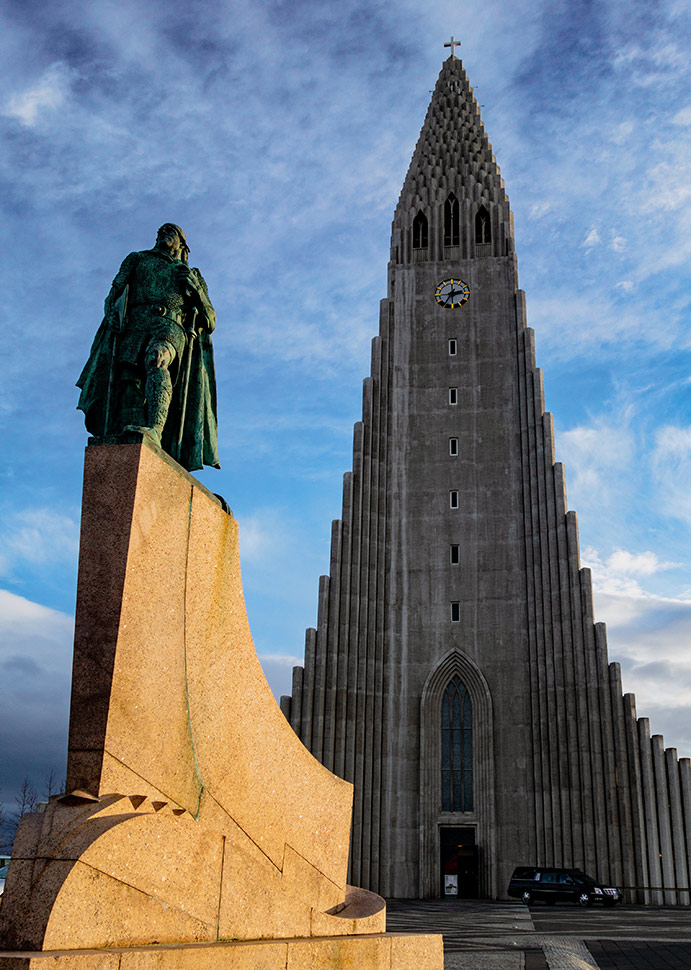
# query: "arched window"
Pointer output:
{"type": "Point", "coordinates": [456, 748]}
{"type": "Point", "coordinates": [420, 231]}
{"type": "Point", "coordinates": [451, 221]}
{"type": "Point", "coordinates": [483, 230]}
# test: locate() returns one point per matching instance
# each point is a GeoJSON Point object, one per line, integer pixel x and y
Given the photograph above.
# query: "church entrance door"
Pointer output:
{"type": "Point", "coordinates": [458, 862]}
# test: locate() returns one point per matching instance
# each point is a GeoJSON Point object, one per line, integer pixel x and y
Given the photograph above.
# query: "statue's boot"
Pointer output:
{"type": "Point", "coordinates": [159, 394]}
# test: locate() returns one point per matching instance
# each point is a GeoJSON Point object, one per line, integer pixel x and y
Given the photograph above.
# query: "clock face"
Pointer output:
{"type": "Point", "coordinates": [452, 293]}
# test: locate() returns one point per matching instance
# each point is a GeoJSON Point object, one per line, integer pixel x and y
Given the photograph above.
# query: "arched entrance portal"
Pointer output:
{"type": "Point", "coordinates": [458, 862]}
{"type": "Point", "coordinates": [457, 780]}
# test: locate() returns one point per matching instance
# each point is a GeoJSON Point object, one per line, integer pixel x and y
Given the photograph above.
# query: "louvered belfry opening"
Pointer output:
{"type": "Point", "coordinates": [451, 221]}
{"type": "Point", "coordinates": [420, 231]}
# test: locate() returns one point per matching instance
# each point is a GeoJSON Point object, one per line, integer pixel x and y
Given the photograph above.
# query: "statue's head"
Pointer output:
{"type": "Point", "coordinates": [171, 239]}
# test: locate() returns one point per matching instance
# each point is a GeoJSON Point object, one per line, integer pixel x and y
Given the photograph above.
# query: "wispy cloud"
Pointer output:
{"type": "Point", "coordinates": [592, 239]}
{"type": "Point", "coordinates": [45, 95]}
{"type": "Point", "coordinates": [595, 457]}
{"type": "Point", "coordinates": [671, 460]}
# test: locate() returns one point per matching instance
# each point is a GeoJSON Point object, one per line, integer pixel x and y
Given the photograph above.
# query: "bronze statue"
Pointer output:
{"type": "Point", "coordinates": [151, 366]}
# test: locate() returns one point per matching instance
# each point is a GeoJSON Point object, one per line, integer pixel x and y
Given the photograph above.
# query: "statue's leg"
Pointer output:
{"type": "Point", "coordinates": [159, 385]}
{"type": "Point", "coordinates": [131, 396]}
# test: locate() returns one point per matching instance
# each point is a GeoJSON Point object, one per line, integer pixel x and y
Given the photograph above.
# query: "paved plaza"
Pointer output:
{"type": "Point", "coordinates": [481, 935]}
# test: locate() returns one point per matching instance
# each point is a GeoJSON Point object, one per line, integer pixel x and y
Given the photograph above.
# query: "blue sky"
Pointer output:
{"type": "Point", "coordinates": [278, 135]}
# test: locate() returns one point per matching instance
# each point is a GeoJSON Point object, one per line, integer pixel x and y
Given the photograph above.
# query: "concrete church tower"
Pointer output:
{"type": "Point", "coordinates": [456, 674]}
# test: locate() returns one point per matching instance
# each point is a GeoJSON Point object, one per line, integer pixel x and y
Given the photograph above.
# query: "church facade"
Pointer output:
{"type": "Point", "coordinates": [456, 675]}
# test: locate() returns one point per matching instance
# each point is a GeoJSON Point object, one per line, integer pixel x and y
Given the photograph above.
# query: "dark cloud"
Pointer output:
{"type": "Point", "coordinates": [24, 666]}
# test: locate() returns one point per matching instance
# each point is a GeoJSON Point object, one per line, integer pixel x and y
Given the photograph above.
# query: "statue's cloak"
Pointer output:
{"type": "Point", "coordinates": [199, 445]}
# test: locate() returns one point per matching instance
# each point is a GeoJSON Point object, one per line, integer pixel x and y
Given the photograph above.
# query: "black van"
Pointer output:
{"type": "Point", "coordinates": [532, 883]}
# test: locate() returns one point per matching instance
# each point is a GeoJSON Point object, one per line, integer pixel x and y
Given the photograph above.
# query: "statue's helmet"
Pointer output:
{"type": "Point", "coordinates": [183, 242]}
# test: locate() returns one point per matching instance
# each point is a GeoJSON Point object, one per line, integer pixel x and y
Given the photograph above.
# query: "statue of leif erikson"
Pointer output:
{"type": "Point", "coordinates": [151, 366]}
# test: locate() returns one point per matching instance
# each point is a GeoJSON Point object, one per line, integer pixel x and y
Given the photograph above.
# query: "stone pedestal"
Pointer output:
{"type": "Point", "coordinates": [196, 829]}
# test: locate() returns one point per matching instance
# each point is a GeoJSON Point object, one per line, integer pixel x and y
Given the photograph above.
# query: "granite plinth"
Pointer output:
{"type": "Point", "coordinates": [193, 816]}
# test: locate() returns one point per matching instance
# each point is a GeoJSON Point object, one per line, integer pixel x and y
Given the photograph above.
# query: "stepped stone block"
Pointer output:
{"type": "Point", "coordinates": [196, 829]}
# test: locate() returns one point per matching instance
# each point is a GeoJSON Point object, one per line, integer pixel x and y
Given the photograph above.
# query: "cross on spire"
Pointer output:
{"type": "Point", "coordinates": [452, 44]}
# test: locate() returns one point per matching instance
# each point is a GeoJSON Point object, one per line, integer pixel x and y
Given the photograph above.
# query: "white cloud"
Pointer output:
{"type": "Point", "coordinates": [47, 94]}
{"type": "Point", "coordinates": [263, 535]}
{"type": "Point", "coordinates": [594, 457]}
{"type": "Point", "coordinates": [539, 209]}
{"type": "Point", "coordinates": [24, 623]}
{"type": "Point", "coordinates": [622, 132]}
{"type": "Point", "coordinates": [618, 244]}
{"type": "Point", "coordinates": [683, 117]}
{"type": "Point", "coordinates": [37, 537]}
{"type": "Point", "coordinates": [592, 239]}
{"type": "Point", "coordinates": [641, 564]}
{"type": "Point", "coordinates": [673, 443]}
{"type": "Point", "coordinates": [615, 574]}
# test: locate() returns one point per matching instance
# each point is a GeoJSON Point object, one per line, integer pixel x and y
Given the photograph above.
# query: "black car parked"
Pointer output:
{"type": "Point", "coordinates": [532, 883]}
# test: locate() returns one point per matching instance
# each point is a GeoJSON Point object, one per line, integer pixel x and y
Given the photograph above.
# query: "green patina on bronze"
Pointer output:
{"type": "Point", "coordinates": [151, 366]}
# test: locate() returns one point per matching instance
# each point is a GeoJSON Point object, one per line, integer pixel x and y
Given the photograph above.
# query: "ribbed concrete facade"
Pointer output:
{"type": "Point", "coordinates": [456, 562]}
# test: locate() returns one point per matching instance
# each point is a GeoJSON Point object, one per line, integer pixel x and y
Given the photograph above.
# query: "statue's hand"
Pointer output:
{"type": "Point", "coordinates": [188, 283]}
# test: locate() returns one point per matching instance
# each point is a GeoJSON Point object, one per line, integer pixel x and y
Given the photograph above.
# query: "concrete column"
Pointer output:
{"type": "Point", "coordinates": [676, 817]}
{"type": "Point", "coordinates": [571, 686]}
{"type": "Point", "coordinates": [296, 703]}
{"type": "Point", "coordinates": [384, 363]}
{"type": "Point", "coordinates": [623, 781]}
{"type": "Point", "coordinates": [374, 592]}
{"type": "Point", "coordinates": [615, 829]}
{"type": "Point", "coordinates": [586, 800]}
{"type": "Point", "coordinates": [352, 615]}
{"type": "Point", "coordinates": [352, 753]}
{"type": "Point", "coordinates": [320, 663]}
{"type": "Point", "coordinates": [308, 687]}
{"type": "Point", "coordinates": [333, 644]}
{"type": "Point", "coordinates": [550, 792]}
{"type": "Point", "coordinates": [650, 806]}
{"type": "Point", "coordinates": [663, 817]}
{"type": "Point", "coordinates": [595, 714]}
{"type": "Point", "coordinates": [340, 739]}
{"type": "Point", "coordinates": [637, 807]}
{"type": "Point", "coordinates": [561, 725]}
{"type": "Point", "coordinates": [685, 793]}
{"type": "Point", "coordinates": [363, 764]}
{"type": "Point", "coordinates": [525, 363]}
{"type": "Point", "coordinates": [285, 705]}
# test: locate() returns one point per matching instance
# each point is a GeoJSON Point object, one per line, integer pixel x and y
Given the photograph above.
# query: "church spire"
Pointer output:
{"type": "Point", "coordinates": [453, 158]}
